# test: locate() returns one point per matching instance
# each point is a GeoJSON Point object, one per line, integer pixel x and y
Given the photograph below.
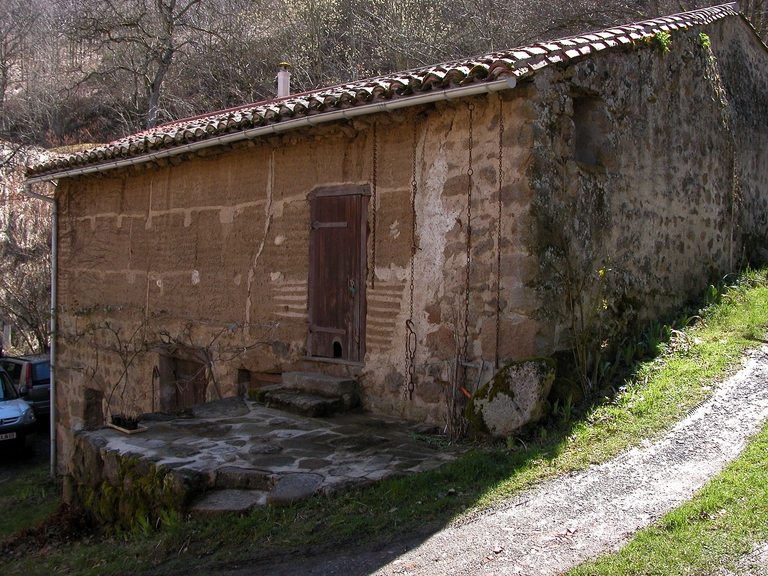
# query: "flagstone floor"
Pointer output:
{"type": "Point", "coordinates": [247, 454]}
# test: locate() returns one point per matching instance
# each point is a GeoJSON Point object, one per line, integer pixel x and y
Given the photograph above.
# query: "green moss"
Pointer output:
{"type": "Point", "coordinates": [256, 394]}
{"type": "Point", "coordinates": [138, 497]}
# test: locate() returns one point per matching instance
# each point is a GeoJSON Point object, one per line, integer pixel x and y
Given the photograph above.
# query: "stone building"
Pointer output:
{"type": "Point", "coordinates": [414, 230]}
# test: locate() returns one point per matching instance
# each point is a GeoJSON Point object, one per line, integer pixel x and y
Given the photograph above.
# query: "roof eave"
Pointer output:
{"type": "Point", "coordinates": [283, 126]}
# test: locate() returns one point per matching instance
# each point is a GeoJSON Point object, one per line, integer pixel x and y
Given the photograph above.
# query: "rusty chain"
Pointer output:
{"type": "Point", "coordinates": [410, 344]}
{"type": "Point", "coordinates": [498, 227]}
{"type": "Point", "coordinates": [374, 185]}
{"type": "Point", "coordinates": [470, 174]}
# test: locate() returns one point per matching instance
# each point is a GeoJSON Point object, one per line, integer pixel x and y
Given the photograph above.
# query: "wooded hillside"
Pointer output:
{"type": "Point", "coordinates": [75, 71]}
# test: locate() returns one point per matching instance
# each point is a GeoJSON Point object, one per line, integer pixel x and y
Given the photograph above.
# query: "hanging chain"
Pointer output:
{"type": "Point", "coordinates": [374, 185]}
{"type": "Point", "coordinates": [498, 227]}
{"type": "Point", "coordinates": [410, 345]}
{"type": "Point", "coordinates": [470, 174]}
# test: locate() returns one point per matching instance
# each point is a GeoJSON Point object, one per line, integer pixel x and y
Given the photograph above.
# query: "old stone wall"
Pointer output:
{"type": "Point", "coordinates": [634, 176]}
{"type": "Point", "coordinates": [740, 60]}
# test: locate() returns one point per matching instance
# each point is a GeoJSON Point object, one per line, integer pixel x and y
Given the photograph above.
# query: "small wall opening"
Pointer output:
{"type": "Point", "coordinates": [592, 125]}
{"type": "Point", "coordinates": [337, 351]}
{"type": "Point", "coordinates": [183, 382]}
{"type": "Point", "coordinates": [93, 414]}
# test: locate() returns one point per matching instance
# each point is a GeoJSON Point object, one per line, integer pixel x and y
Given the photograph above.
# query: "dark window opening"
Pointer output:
{"type": "Point", "coordinates": [592, 125]}
{"type": "Point", "coordinates": [337, 349]}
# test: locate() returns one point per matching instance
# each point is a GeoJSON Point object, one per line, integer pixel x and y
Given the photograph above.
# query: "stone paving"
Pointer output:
{"type": "Point", "coordinates": [247, 454]}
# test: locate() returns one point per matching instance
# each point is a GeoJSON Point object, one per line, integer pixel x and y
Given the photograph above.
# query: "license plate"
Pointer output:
{"type": "Point", "coordinates": [9, 436]}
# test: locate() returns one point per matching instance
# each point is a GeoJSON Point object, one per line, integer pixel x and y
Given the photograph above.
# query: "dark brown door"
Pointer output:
{"type": "Point", "coordinates": [189, 379]}
{"type": "Point", "coordinates": [337, 255]}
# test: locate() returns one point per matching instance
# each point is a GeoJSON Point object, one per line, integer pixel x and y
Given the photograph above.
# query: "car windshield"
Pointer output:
{"type": "Point", "coordinates": [7, 391]}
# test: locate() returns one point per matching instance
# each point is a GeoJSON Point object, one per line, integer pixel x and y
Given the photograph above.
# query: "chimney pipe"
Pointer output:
{"type": "Point", "coordinates": [283, 80]}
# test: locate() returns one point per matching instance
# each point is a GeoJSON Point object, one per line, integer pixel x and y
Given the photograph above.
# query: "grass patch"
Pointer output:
{"type": "Point", "coordinates": [716, 529]}
{"type": "Point", "coordinates": [657, 394]}
{"type": "Point", "coordinates": [27, 500]}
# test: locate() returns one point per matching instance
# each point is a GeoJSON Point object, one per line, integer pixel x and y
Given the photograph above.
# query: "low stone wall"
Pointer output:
{"type": "Point", "coordinates": [126, 489]}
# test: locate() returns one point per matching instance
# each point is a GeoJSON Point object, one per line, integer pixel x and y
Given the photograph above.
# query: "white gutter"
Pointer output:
{"type": "Point", "coordinates": [54, 304]}
{"type": "Point", "coordinates": [285, 126]}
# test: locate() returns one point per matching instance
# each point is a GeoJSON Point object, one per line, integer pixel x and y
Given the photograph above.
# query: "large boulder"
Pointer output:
{"type": "Point", "coordinates": [515, 396]}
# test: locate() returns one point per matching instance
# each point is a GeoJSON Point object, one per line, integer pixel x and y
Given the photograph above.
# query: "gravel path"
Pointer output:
{"type": "Point", "coordinates": [563, 522]}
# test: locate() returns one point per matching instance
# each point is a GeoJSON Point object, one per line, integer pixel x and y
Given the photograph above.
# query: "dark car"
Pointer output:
{"type": "Point", "coordinates": [18, 424]}
{"type": "Point", "coordinates": [32, 377]}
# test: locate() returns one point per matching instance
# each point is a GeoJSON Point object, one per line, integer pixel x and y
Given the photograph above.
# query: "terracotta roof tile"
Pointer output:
{"type": "Point", "coordinates": [517, 62]}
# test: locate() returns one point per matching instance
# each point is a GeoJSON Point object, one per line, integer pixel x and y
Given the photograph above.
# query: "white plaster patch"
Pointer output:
{"type": "Point", "coordinates": [394, 230]}
{"type": "Point", "coordinates": [393, 274]}
{"type": "Point", "coordinates": [238, 279]}
{"type": "Point", "coordinates": [130, 276]}
{"type": "Point", "coordinates": [119, 220]}
{"type": "Point", "coordinates": [433, 227]}
{"type": "Point", "coordinates": [276, 276]}
{"type": "Point", "coordinates": [195, 277]}
{"type": "Point", "coordinates": [279, 240]}
{"type": "Point", "coordinates": [159, 283]}
{"type": "Point", "coordinates": [187, 218]}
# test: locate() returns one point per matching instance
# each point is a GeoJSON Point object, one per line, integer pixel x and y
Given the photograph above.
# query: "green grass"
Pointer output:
{"type": "Point", "coordinates": [659, 393]}
{"type": "Point", "coordinates": [27, 499]}
{"type": "Point", "coordinates": [715, 530]}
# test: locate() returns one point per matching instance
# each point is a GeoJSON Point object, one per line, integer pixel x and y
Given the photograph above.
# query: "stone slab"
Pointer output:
{"type": "Point", "coordinates": [222, 408]}
{"type": "Point", "coordinates": [302, 403]}
{"type": "Point", "coordinates": [294, 487]}
{"type": "Point", "coordinates": [227, 501]}
{"type": "Point", "coordinates": [320, 384]}
{"type": "Point", "coordinates": [243, 478]}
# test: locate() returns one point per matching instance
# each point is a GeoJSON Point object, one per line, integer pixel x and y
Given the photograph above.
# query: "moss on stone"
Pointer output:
{"type": "Point", "coordinates": [139, 493]}
{"type": "Point", "coordinates": [256, 394]}
{"type": "Point", "coordinates": [508, 408]}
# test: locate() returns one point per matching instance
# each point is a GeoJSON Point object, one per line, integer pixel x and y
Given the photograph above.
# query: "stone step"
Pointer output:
{"type": "Point", "coordinates": [312, 405]}
{"type": "Point", "coordinates": [288, 489]}
{"type": "Point", "coordinates": [228, 501]}
{"type": "Point", "coordinates": [320, 384]}
{"type": "Point", "coordinates": [244, 479]}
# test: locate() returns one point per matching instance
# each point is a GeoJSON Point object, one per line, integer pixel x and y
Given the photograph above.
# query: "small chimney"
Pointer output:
{"type": "Point", "coordinates": [283, 80]}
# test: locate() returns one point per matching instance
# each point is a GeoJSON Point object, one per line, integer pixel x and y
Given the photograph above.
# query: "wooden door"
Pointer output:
{"type": "Point", "coordinates": [189, 381]}
{"type": "Point", "coordinates": [337, 265]}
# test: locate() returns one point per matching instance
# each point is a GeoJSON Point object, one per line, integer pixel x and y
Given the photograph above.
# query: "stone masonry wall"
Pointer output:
{"type": "Point", "coordinates": [634, 175]}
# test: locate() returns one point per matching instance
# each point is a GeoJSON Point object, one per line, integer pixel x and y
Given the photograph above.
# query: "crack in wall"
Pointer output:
{"type": "Point", "coordinates": [268, 212]}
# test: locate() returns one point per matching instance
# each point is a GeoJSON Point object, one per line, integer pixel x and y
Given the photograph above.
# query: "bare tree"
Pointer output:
{"type": "Point", "coordinates": [16, 20]}
{"type": "Point", "coordinates": [25, 255]}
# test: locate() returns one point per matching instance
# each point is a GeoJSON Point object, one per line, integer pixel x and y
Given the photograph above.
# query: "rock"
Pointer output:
{"type": "Point", "coordinates": [514, 397]}
{"type": "Point", "coordinates": [294, 487]}
{"type": "Point", "coordinates": [264, 449]}
{"type": "Point", "coordinates": [228, 501]}
{"type": "Point", "coordinates": [222, 408]}
{"type": "Point", "coordinates": [243, 478]}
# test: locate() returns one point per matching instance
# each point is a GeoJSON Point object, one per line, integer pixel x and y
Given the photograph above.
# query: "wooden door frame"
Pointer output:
{"type": "Point", "coordinates": [360, 311]}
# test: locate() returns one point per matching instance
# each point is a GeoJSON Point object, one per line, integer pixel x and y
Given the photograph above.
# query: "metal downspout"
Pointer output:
{"type": "Point", "coordinates": [54, 305]}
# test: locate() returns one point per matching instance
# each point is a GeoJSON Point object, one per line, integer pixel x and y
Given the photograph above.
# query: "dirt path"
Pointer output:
{"type": "Point", "coordinates": [561, 523]}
